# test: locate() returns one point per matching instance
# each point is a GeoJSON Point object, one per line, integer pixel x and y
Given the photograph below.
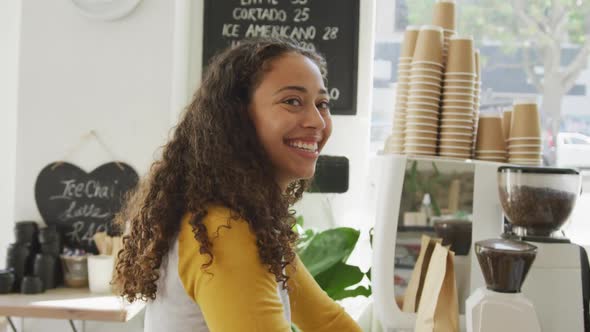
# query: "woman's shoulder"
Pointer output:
{"type": "Point", "coordinates": [220, 222]}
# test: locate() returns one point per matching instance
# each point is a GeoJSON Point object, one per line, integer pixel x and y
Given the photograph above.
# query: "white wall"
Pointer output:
{"type": "Point", "coordinates": [75, 75]}
{"type": "Point", "coordinates": [78, 74]}
{"type": "Point", "coordinates": [9, 38]}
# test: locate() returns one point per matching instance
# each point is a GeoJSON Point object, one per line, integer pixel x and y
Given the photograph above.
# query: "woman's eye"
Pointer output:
{"type": "Point", "coordinates": [324, 105]}
{"type": "Point", "coordinates": [293, 102]}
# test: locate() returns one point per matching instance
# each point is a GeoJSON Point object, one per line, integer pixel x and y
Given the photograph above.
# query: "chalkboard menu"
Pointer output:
{"type": "Point", "coordinates": [80, 204]}
{"type": "Point", "coordinates": [330, 27]}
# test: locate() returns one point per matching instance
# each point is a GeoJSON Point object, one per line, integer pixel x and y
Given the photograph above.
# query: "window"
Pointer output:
{"type": "Point", "coordinates": [529, 49]}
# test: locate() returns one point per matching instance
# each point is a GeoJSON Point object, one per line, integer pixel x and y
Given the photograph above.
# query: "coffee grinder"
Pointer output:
{"type": "Point", "coordinates": [537, 201]}
{"type": "Point", "coordinates": [501, 306]}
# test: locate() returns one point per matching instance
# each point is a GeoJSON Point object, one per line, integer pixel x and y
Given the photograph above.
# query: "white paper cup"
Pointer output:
{"type": "Point", "coordinates": [100, 273]}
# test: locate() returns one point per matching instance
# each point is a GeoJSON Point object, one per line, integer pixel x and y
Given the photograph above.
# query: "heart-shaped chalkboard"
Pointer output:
{"type": "Point", "coordinates": [81, 204]}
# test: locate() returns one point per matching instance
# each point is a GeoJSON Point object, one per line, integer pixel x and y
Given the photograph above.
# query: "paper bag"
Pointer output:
{"type": "Point", "coordinates": [438, 310]}
{"type": "Point", "coordinates": [414, 289]}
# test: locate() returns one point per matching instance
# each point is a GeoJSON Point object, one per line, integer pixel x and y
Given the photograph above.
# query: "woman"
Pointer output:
{"type": "Point", "coordinates": [209, 236]}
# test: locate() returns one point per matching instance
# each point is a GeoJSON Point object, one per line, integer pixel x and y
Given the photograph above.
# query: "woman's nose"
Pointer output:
{"type": "Point", "coordinates": [313, 118]}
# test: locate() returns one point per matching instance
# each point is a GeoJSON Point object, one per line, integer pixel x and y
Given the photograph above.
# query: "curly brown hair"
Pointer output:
{"type": "Point", "coordinates": [213, 157]}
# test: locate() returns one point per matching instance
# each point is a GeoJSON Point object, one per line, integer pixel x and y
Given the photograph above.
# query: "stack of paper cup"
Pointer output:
{"type": "Point", "coordinates": [506, 121]}
{"type": "Point", "coordinates": [395, 142]}
{"type": "Point", "coordinates": [477, 88]}
{"type": "Point", "coordinates": [444, 16]}
{"type": "Point", "coordinates": [490, 145]}
{"type": "Point", "coordinates": [524, 144]}
{"type": "Point", "coordinates": [424, 94]}
{"type": "Point", "coordinates": [456, 127]}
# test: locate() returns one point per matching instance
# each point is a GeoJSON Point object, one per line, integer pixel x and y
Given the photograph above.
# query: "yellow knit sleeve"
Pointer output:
{"type": "Point", "coordinates": [236, 293]}
{"type": "Point", "coordinates": [311, 308]}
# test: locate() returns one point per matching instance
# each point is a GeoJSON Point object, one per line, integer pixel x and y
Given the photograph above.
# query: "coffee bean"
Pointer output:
{"type": "Point", "coordinates": [540, 211]}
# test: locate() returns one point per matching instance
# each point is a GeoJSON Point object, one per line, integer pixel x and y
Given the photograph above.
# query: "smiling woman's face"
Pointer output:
{"type": "Point", "coordinates": [290, 110]}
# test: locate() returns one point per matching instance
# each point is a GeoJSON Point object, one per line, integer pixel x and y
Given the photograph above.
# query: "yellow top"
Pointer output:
{"type": "Point", "coordinates": [238, 293]}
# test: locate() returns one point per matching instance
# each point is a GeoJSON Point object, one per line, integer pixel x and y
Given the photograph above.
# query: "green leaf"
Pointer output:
{"type": "Point", "coordinates": [304, 240]}
{"type": "Point", "coordinates": [360, 290]}
{"type": "Point", "coordinates": [299, 221]}
{"type": "Point", "coordinates": [328, 248]}
{"type": "Point", "coordinates": [340, 276]}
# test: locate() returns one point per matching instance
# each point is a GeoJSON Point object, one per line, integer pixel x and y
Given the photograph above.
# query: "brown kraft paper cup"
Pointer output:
{"type": "Point", "coordinates": [460, 84]}
{"type": "Point", "coordinates": [426, 78]}
{"type": "Point", "coordinates": [443, 14]}
{"type": "Point", "coordinates": [420, 126]}
{"type": "Point", "coordinates": [537, 150]}
{"type": "Point", "coordinates": [451, 143]}
{"type": "Point", "coordinates": [506, 121]}
{"type": "Point", "coordinates": [457, 116]}
{"type": "Point", "coordinates": [458, 89]}
{"type": "Point", "coordinates": [460, 57]}
{"type": "Point", "coordinates": [426, 65]}
{"type": "Point", "coordinates": [458, 136]}
{"type": "Point", "coordinates": [410, 38]}
{"type": "Point", "coordinates": [421, 133]}
{"type": "Point", "coordinates": [457, 101]}
{"type": "Point", "coordinates": [525, 121]}
{"type": "Point", "coordinates": [423, 112]}
{"type": "Point", "coordinates": [422, 105]}
{"type": "Point", "coordinates": [477, 64]}
{"type": "Point", "coordinates": [431, 121]}
{"type": "Point", "coordinates": [426, 71]}
{"type": "Point", "coordinates": [524, 141]}
{"type": "Point", "coordinates": [459, 76]}
{"type": "Point", "coordinates": [411, 140]}
{"type": "Point", "coordinates": [490, 155]}
{"type": "Point", "coordinates": [422, 85]}
{"type": "Point", "coordinates": [489, 134]}
{"type": "Point", "coordinates": [416, 92]}
{"type": "Point", "coordinates": [423, 98]}
{"type": "Point", "coordinates": [429, 44]}
{"type": "Point", "coordinates": [419, 151]}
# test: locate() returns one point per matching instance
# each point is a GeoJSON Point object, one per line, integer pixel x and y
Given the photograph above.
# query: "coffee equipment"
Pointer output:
{"type": "Point", "coordinates": [501, 306]}
{"type": "Point", "coordinates": [537, 201]}
{"type": "Point", "coordinates": [387, 178]}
